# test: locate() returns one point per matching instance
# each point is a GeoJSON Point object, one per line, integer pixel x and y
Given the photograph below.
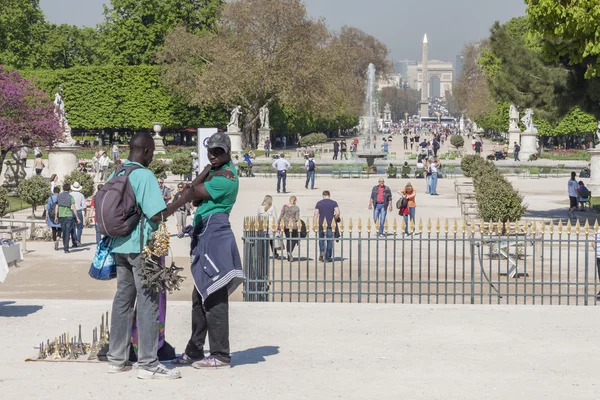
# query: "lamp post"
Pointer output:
{"type": "Point", "coordinates": [159, 148]}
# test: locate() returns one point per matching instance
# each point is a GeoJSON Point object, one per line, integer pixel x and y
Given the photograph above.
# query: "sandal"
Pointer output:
{"type": "Point", "coordinates": [184, 359]}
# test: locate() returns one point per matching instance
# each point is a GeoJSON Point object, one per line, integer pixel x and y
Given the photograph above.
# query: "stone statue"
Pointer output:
{"type": "Point", "coordinates": [234, 125]}
{"type": "Point", "coordinates": [513, 116]}
{"type": "Point", "coordinates": [527, 120]}
{"type": "Point", "coordinates": [264, 117]}
{"type": "Point", "coordinates": [59, 110]}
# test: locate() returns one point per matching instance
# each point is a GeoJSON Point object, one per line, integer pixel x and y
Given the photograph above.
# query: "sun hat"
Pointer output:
{"type": "Point", "coordinates": [76, 187]}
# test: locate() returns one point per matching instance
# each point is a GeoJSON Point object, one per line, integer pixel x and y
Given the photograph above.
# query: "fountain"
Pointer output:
{"type": "Point", "coordinates": [367, 123]}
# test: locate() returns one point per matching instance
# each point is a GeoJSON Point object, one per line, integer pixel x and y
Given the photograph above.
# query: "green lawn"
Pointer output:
{"type": "Point", "coordinates": [577, 155]}
{"type": "Point", "coordinates": [16, 204]}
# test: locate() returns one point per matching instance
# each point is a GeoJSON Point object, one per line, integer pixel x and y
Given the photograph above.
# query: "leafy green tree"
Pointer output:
{"type": "Point", "coordinates": [181, 164]}
{"type": "Point", "coordinates": [4, 203]}
{"type": "Point", "coordinates": [401, 101]}
{"type": "Point", "coordinates": [159, 168]}
{"type": "Point", "coordinates": [576, 122]}
{"type": "Point", "coordinates": [85, 180]}
{"type": "Point", "coordinates": [35, 191]}
{"type": "Point", "coordinates": [457, 141]}
{"type": "Point", "coordinates": [22, 29]}
{"type": "Point", "coordinates": [135, 29]}
{"type": "Point", "coordinates": [495, 120]}
{"type": "Point", "coordinates": [68, 46]}
{"type": "Point", "coordinates": [568, 31]}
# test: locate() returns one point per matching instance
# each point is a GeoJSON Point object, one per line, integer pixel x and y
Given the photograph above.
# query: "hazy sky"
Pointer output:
{"type": "Point", "coordinates": [400, 24]}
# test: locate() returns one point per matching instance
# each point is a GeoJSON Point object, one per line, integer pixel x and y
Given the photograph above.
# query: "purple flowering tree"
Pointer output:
{"type": "Point", "coordinates": [27, 115]}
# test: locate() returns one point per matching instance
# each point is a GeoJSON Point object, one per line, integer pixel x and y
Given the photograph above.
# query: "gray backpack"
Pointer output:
{"type": "Point", "coordinates": [117, 213]}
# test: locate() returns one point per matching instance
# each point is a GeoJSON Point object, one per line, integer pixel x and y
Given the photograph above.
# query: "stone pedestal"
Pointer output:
{"type": "Point", "coordinates": [159, 147]}
{"type": "Point", "coordinates": [514, 135]}
{"type": "Point", "coordinates": [263, 135]}
{"type": "Point", "coordinates": [236, 141]}
{"type": "Point", "coordinates": [528, 145]}
{"type": "Point", "coordinates": [594, 182]}
{"type": "Point", "coordinates": [62, 161]}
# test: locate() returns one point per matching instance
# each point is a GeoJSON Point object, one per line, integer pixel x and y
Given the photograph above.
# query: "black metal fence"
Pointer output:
{"type": "Point", "coordinates": [447, 262]}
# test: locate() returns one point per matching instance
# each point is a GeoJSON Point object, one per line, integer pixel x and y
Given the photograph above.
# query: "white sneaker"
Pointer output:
{"type": "Point", "coordinates": [158, 372]}
{"type": "Point", "coordinates": [115, 369]}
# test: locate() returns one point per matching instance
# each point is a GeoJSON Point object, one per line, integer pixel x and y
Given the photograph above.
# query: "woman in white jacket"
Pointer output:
{"type": "Point", "coordinates": [268, 213]}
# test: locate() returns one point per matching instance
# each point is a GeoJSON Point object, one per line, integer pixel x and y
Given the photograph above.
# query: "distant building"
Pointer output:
{"type": "Point", "coordinates": [441, 76]}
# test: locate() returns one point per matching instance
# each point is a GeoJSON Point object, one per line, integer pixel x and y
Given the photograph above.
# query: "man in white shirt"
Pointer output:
{"type": "Point", "coordinates": [572, 187]}
{"type": "Point", "coordinates": [103, 162]}
{"type": "Point", "coordinates": [281, 165]}
{"type": "Point", "coordinates": [80, 206]}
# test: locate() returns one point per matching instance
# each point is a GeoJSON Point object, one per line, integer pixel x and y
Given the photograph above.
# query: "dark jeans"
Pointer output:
{"type": "Point", "coordinates": [335, 155]}
{"type": "Point", "coordinates": [343, 155]}
{"type": "Point", "coordinates": [281, 177]}
{"type": "Point", "coordinates": [131, 294]}
{"type": "Point", "coordinates": [66, 225]}
{"type": "Point", "coordinates": [326, 243]}
{"type": "Point", "coordinates": [78, 230]}
{"type": "Point", "coordinates": [310, 177]}
{"type": "Point", "coordinates": [211, 318]}
{"type": "Point", "coordinates": [55, 234]}
{"type": "Point", "coordinates": [98, 235]}
{"type": "Point", "coordinates": [291, 243]}
{"type": "Point", "coordinates": [516, 155]}
{"type": "Point", "coordinates": [38, 171]}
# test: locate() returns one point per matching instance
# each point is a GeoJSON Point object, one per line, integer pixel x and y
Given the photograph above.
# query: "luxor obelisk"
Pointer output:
{"type": "Point", "coordinates": [424, 103]}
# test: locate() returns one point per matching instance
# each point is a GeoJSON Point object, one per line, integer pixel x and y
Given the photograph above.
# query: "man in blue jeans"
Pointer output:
{"type": "Point", "coordinates": [281, 165]}
{"type": "Point", "coordinates": [326, 211]}
{"type": "Point", "coordinates": [310, 171]}
{"type": "Point", "coordinates": [380, 202]}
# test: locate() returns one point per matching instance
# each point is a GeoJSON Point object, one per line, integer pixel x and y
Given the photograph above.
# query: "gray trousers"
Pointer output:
{"type": "Point", "coordinates": [129, 289]}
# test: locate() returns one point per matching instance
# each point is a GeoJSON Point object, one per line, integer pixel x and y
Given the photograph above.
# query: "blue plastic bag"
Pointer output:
{"type": "Point", "coordinates": [103, 266]}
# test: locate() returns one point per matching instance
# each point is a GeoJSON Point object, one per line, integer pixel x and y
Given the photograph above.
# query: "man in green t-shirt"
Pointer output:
{"type": "Point", "coordinates": [216, 266]}
{"type": "Point", "coordinates": [64, 213]}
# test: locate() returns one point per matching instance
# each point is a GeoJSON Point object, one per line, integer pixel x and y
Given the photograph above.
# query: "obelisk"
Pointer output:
{"type": "Point", "coordinates": [424, 103]}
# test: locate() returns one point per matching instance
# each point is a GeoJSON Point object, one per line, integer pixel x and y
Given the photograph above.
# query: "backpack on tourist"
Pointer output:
{"type": "Point", "coordinates": [52, 209]}
{"type": "Point", "coordinates": [402, 203]}
{"type": "Point", "coordinates": [117, 213]}
{"type": "Point", "coordinates": [311, 165]}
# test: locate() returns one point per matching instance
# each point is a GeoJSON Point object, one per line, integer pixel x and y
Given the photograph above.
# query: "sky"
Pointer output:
{"type": "Point", "coordinates": [400, 24]}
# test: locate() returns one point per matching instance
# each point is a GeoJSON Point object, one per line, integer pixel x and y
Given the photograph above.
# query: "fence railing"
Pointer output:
{"type": "Point", "coordinates": [446, 262]}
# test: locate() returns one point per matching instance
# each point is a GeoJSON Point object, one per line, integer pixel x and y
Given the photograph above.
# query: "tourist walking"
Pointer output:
{"type": "Point", "coordinates": [38, 164]}
{"type": "Point", "coordinates": [51, 216]}
{"type": "Point", "coordinates": [410, 209]}
{"type": "Point", "coordinates": [380, 201]}
{"type": "Point", "coordinates": [572, 187]}
{"type": "Point", "coordinates": [103, 162]}
{"type": "Point", "coordinates": [434, 167]}
{"type": "Point", "coordinates": [478, 147]}
{"type": "Point", "coordinates": [336, 149]}
{"type": "Point", "coordinates": [93, 216]}
{"type": "Point", "coordinates": [65, 213]}
{"type": "Point", "coordinates": [288, 222]}
{"type": "Point", "coordinates": [214, 193]}
{"type": "Point", "coordinates": [310, 171]}
{"type": "Point", "coordinates": [405, 141]}
{"type": "Point", "coordinates": [182, 212]}
{"type": "Point", "coordinates": [115, 152]}
{"type": "Point", "coordinates": [268, 214]}
{"type": "Point", "coordinates": [95, 165]}
{"type": "Point", "coordinates": [343, 150]}
{"type": "Point", "coordinates": [80, 206]}
{"type": "Point", "coordinates": [126, 251]}
{"type": "Point", "coordinates": [165, 191]}
{"type": "Point", "coordinates": [53, 182]}
{"type": "Point", "coordinates": [281, 165]}
{"type": "Point", "coordinates": [284, 141]}
{"type": "Point", "coordinates": [268, 148]}
{"type": "Point", "coordinates": [23, 154]}
{"type": "Point", "coordinates": [516, 150]}
{"type": "Point", "coordinates": [326, 211]}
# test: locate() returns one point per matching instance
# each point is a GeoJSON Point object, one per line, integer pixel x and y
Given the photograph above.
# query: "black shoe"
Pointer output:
{"type": "Point", "coordinates": [321, 258]}
{"type": "Point", "coordinates": [67, 251]}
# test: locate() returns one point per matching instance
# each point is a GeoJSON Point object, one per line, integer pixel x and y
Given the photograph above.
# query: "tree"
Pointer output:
{"type": "Point", "coordinates": [4, 203]}
{"type": "Point", "coordinates": [401, 101]}
{"type": "Point", "coordinates": [34, 191]}
{"type": "Point", "coordinates": [576, 122]}
{"type": "Point", "coordinates": [84, 179]}
{"type": "Point", "coordinates": [22, 28]}
{"type": "Point", "coordinates": [266, 51]}
{"type": "Point", "coordinates": [135, 29]}
{"type": "Point", "coordinates": [68, 46]}
{"type": "Point", "coordinates": [181, 165]}
{"type": "Point", "coordinates": [568, 32]}
{"type": "Point", "coordinates": [26, 115]}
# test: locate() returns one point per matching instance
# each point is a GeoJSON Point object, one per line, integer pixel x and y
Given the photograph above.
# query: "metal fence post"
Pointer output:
{"type": "Point", "coordinates": [472, 244]}
{"type": "Point", "coordinates": [359, 272]}
{"type": "Point", "coordinates": [587, 269]}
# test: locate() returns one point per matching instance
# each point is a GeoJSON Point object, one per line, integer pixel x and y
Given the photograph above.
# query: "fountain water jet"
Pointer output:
{"type": "Point", "coordinates": [368, 131]}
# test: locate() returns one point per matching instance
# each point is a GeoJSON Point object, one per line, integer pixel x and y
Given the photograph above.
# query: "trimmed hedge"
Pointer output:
{"type": "Point", "coordinates": [34, 191]}
{"type": "Point", "coordinates": [457, 141]}
{"type": "Point", "coordinates": [497, 199]}
{"type": "Point", "coordinates": [181, 164]}
{"type": "Point", "coordinates": [313, 139]}
{"type": "Point", "coordinates": [84, 179]}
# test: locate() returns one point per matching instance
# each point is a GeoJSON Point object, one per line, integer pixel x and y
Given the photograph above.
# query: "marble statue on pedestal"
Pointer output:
{"type": "Point", "coordinates": [527, 120]}
{"type": "Point", "coordinates": [264, 117]}
{"type": "Point", "coordinates": [59, 110]}
{"type": "Point", "coordinates": [598, 135]}
{"type": "Point", "coordinates": [234, 124]}
{"type": "Point", "coordinates": [513, 115]}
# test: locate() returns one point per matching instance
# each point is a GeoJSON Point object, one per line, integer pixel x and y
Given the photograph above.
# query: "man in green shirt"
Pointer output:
{"type": "Point", "coordinates": [64, 213]}
{"type": "Point", "coordinates": [130, 291]}
{"type": "Point", "coordinates": [216, 266]}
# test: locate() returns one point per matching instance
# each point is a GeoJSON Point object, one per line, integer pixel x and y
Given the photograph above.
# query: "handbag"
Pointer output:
{"type": "Point", "coordinates": [278, 241]}
{"type": "Point", "coordinates": [103, 265]}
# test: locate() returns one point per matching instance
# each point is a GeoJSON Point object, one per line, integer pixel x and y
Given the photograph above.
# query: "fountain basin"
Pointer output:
{"type": "Point", "coordinates": [370, 158]}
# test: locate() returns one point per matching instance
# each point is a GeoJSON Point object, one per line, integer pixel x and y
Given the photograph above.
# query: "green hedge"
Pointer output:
{"type": "Point", "coordinates": [497, 199]}
{"type": "Point", "coordinates": [457, 141]}
{"type": "Point", "coordinates": [313, 139]}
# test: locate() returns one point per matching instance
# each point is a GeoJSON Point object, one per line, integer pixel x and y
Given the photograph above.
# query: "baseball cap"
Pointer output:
{"type": "Point", "coordinates": [219, 139]}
